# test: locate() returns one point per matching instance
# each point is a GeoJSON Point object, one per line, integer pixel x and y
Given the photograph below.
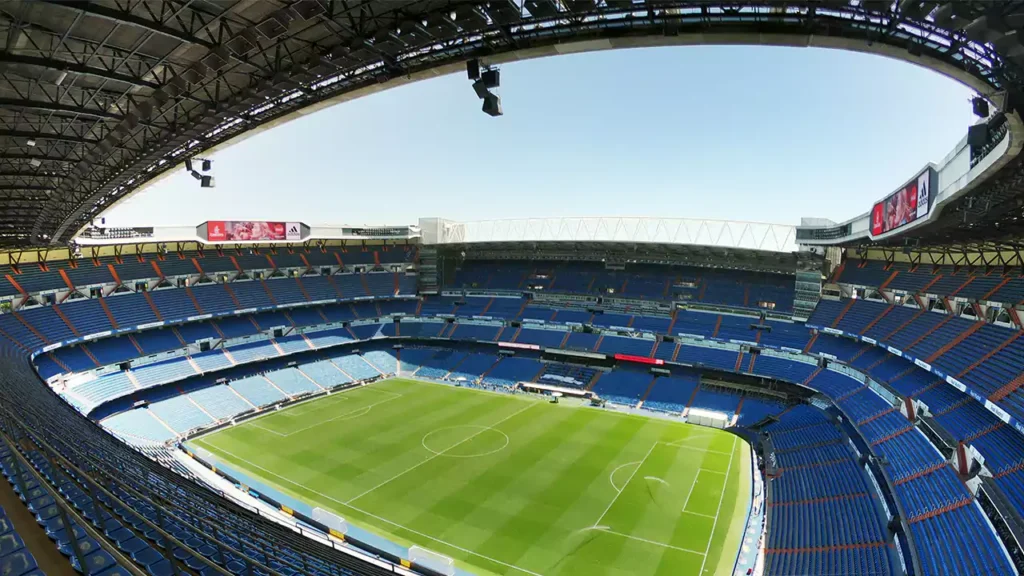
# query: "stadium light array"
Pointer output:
{"type": "Point", "coordinates": [205, 180]}
{"type": "Point", "coordinates": [484, 79]}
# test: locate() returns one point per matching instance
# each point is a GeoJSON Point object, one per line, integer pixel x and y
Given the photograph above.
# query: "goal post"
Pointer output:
{"type": "Point", "coordinates": [432, 561]}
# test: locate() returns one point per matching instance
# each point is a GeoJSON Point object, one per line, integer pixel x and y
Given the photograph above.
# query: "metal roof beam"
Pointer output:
{"type": "Point", "coordinates": [45, 136]}
{"type": "Point", "coordinates": [61, 109]}
{"type": "Point", "coordinates": [10, 188]}
{"type": "Point", "coordinates": [130, 19]}
{"type": "Point", "coordinates": [62, 66]}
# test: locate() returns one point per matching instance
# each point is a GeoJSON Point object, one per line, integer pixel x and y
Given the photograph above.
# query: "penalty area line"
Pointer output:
{"type": "Point", "coordinates": [719, 510]}
{"type": "Point", "coordinates": [607, 530]}
{"type": "Point", "coordinates": [371, 515]}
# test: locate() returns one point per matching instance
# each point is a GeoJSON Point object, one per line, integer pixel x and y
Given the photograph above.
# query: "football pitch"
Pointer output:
{"type": "Point", "coordinates": [507, 484]}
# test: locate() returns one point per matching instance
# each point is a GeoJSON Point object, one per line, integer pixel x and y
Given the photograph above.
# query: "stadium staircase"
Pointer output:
{"type": "Point", "coordinates": [156, 268]}
{"type": "Point", "coordinates": [334, 285]}
{"type": "Point", "coordinates": [522, 309]}
{"type": "Point", "coordinates": [192, 296]}
{"type": "Point", "coordinates": [597, 345]}
{"type": "Point", "coordinates": [718, 324]}
{"type": "Point", "coordinates": [739, 362]}
{"type": "Point", "coordinates": [906, 323]}
{"type": "Point", "coordinates": [280, 351]}
{"type": "Point", "coordinates": [152, 305]}
{"type": "Point", "coordinates": [56, 359]}
{"type": "Point", "coordinates": [675, 353]}
{"type": "Point", "coordinates": [134, 342]}
{"type": "Point", "coordinates": [997, 288]}
{"type": "Point", "coordinates": [753, 359]}
{"type": "Point", "coordinates": [565, 339]}
{"type": "Point", "coordinates": [839, 318]}
{"type": "Point", "coordinates": [870, 419]}
{"type": "Point", "coordinates": [895, 434]}
{"type": "Point", "coordinates": [67, 281]}
{"type": "Point", "coordinates": [366, 285]}
{"type": "Point", "coordinates": [838, 272]}
{"type": "Point", "coordinates": [106, 310]}
{"type": "Point", "coordinates": [593, 380]}
{"type": "Point", "coordinates": [132, 379]}
{"type": "Point", "coordinates": [1007, 389]}
{"type": "Point", "coordinates": [275, 387]}
{"type": "Point", "coordinates": [962, 286]}
{"type": "Point", "coordinates": [488, 371]}
{"type": "Point", "coordinates": [859, 353]}
{"type": "Point", "coordinates": [230, 358]}
{"type": "Point", "coordinates": [891, 277]}
{"type": "Point", "coordinates": [928, 332]}
{"type": "Point", "coordinates": [812, 376]}
{"type": "Point", "coordinates": [959, 338]}
{"type": "Point", "coordinates": [31, 328]}
{"type": "Point", "coordinates": [647, 392]}
{"type": "Point", "coordinates": [810, 343]}
{"type": "Point", "coordinates": [482, 312]}
{"type": "Point", "coordinates": [270, 294]}
{"type": "Point", "coordinates": [66, 320]}
{"type": "Point", "coordinates": [883, 314]}
{"type": "Point", "coordinates": [302, 290]}
{"type": "Point", "coordinates": [941, 510]}
{"type": "Point", "coordinates": [924, 289]}
{"type": "Point", "coordinates": [1013, 337]}
{"type": "Point", "coordinates": [231, 293]}
{"type": "Point", "coordinates": [353, 334]}
{"type": "Point", "coordinates": [675, 315]}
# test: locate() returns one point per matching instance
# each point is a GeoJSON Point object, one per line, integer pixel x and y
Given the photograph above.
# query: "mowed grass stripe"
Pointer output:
{"type": "Point", "coordinates": [521, 509]}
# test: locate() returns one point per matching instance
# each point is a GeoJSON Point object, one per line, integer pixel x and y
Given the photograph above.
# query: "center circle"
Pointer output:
{"type": "Point", "coordinates": [465, 441]}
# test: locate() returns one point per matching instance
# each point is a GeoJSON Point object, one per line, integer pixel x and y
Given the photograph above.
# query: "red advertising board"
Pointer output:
{"type": "Point", "coordinates": [249, 231]}
{"type": "Point", "coordinates": [904, 205]}
{"type": "Point", "coordinates": [639, 359]}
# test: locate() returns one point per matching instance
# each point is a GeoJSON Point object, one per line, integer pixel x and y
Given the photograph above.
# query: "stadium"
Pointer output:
{"type": "Point", "coordinates": [547, 396]}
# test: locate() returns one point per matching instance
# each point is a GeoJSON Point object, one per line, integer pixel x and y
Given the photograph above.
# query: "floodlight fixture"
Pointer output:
{"type": "Point", "coordinates": [196, 175]}
{"type": "Point", "coordinates": [481, 90]}
{"type": "Point", "coordinates": [188, 164]}
{"type": "Point", "coordinates": [206, 182]}
{"type": "Point", "coordinates": [492, 105]}
{"type": "Point", "coordinates": [491, 78]}
{"type": "Point", "coordinates": [473, 69]}
{"type": "Point", "coordinates": [207, 164]}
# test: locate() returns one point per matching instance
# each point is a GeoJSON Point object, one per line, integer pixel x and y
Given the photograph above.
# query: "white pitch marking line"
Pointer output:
{"type": "Point", "coordinates": [692, 486]}
{"type": "Point", "coordinates": [362, 411]}
{"type": "Point", "coordinates": [697, 514]}
{"type": "Point", "coordinates": [374, 516]}
{"type": "Point", "coordinates": [255, 425]}
{"type": "Point", "coordinates": [612, 503]}
{"type": "Point", "coordinates": [442, 452]}
{"type": "Point", "coordinates": [606, 530]}
{"type": "Point", "coordinates": [697, 448]}
{"type": "Point", "coordinates": [611, 476]}
{"type": "Point", "coordinates": [719, 510]}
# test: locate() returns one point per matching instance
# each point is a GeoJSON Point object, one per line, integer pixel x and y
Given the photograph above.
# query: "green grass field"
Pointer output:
{"type": "Point", "coordinates": [507, 484]}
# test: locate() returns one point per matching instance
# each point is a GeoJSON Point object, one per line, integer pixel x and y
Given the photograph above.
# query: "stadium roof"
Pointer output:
{"type": "Point", "coordinates": [722, 234]}
{"type": "Point", "coordinates": [97, 98]}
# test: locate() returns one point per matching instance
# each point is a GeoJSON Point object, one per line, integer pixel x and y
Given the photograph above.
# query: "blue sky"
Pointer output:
{"type": "Point", "coordinates": [739, 133]}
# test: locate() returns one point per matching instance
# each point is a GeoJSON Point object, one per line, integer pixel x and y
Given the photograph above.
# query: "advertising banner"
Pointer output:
{"type": "Point", "coordinates": [905, 205]}
{"type": "Point", "coordinates": [249, 231]}
{"type": "Point", "coordinates": [639, 359]}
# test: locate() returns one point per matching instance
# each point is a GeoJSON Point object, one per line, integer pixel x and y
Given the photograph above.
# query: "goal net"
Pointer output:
{"type": "Point", "coordinates": [336, 525]}
{"type": "Point", "coordinates": [432, 561]}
